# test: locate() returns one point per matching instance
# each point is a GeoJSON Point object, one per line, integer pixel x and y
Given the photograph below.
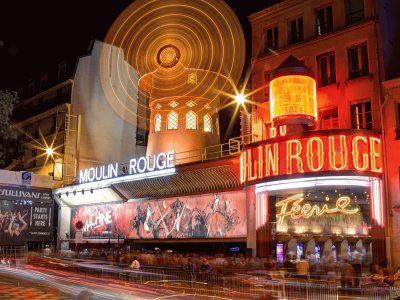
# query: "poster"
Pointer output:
{"type": "Point", "coordinates": [221, 215]}
{"type": "Point", "coordinates": [22, 221]}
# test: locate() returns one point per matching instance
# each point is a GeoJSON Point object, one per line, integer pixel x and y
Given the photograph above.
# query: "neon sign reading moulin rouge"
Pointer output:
{"type": "Point", "coordinates": [136, 166]}
{"type": "Point", "coordinates": [311, 154]}
{"type": "Point", "coordinates": [291, 207]}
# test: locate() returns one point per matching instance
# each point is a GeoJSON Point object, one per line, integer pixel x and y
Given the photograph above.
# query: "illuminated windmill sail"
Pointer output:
{"type": "Point", "coordinates": [187, 55]}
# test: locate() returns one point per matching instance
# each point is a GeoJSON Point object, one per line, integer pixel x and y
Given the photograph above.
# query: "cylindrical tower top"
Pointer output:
{"type": "Point", "coordinates": [293, 94]}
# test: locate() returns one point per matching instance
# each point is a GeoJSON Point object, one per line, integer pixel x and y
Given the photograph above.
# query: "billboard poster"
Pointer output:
{"type": "Point", "coordinates": [22, 221]}
{"type": "Point", "coordinates": [221, 215]}
{"type": "Point", "coordinates": [101, 221]}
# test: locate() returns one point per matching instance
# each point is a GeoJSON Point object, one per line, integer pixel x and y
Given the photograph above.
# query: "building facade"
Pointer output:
{"type": "Point", "coordinates": [346, 45]}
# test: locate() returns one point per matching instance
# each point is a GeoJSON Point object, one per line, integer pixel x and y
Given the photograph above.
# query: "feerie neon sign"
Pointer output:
{"type": "Point", "coordinates": [136, 166]}
{"type": "Point", "coordinates": [291, 207]}
{"type": "Point", "coordinates": [336, 152]}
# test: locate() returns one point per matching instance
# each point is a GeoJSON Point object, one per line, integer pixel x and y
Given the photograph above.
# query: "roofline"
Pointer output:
{"type": "Point", "coordinates": [43, 93]}
{"type": "Point", "coordinates": [271, 10]}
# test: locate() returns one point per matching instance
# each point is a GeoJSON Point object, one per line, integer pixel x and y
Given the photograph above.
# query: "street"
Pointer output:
{"type": "Point", "coordinates": [32, 282]}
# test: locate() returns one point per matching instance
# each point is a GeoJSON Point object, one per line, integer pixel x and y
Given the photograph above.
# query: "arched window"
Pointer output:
{"type": "Point", "coordinates": [172, 120]}
{"type": "Point", "coordinates": [207, 123]}
{"type": "Point", "coordinates": [191, 120]}
{"type": "Point", "coordinates": [157, 123]}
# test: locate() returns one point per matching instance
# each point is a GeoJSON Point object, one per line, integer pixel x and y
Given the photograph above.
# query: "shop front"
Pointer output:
{"type": "Point", "coordinates": [319, 193]}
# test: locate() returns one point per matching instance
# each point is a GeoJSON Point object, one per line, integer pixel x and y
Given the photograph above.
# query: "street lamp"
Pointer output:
{"type": "Point", "coordinates": [49, 151]}
{"type": "Point", "coordinates": [240, 98]}
{"type": "Point", "coordinates": [56, 163]}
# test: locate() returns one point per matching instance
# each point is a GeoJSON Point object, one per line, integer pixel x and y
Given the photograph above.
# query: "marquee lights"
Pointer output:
{"type": "Point", "coordinates": [291, 207]}
{"type": "Point", "coordinates": [311, 154]}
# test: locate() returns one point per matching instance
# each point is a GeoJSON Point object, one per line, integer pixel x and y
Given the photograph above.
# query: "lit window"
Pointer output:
{"type": "Point", "coordinates": [191, 120]}
{"type": "Point", "coordinates": [324, 20]}
{"type": "Point", "coordinates": [173, 104]}
{"type": "Point", "coordinates": [190, 103]}
{"type": "Point", "coordinates": [158, 106]}
{"type": "Point", "coordinates": [207, 106]}
{"type": "Point", "coordinates": [157, 123]}
{"type": "Point", "coordinates": [172, 120]}
{"type": "Point", "coordinates": [361, 115]}
{"type": "Point", "coordinates": [207, 123]}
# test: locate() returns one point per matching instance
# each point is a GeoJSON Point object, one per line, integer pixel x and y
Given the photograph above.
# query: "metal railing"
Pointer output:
{"type": "Point", "coordinates": [245, 285]}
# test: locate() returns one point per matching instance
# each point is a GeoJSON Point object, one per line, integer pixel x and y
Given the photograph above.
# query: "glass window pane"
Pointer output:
{"type": "Point", "coordinates": [172, 120]}
{"type": "Point", "coordinates": [207, 123]}
{"type": "Point", "coordinates": [191, 120]}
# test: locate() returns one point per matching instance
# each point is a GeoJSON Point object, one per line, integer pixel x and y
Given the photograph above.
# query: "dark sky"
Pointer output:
{"type": "Point", "coordinates": [35, 35]}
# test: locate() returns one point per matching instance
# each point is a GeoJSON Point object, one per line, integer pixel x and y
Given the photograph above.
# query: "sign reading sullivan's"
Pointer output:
{"type": "Point", "coordinates": [333, 150]}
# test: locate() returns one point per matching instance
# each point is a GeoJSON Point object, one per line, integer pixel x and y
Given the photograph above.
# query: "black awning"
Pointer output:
{"type": "Point", "coordinates": [182, 183]}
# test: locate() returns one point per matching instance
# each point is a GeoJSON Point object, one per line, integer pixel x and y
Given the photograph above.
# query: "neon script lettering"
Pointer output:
{"type": "Point", "coordinates": [291, 207]}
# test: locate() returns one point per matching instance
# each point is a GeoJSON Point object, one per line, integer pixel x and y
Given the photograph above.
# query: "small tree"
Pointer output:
{"type": "Point", "coordinates": [9, 144]}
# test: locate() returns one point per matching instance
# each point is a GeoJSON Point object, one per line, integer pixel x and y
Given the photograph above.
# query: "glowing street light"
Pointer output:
{"type": "Point", "coordinates": [49, 151]}
{"type": "Point", "coordinates": [240, 98]}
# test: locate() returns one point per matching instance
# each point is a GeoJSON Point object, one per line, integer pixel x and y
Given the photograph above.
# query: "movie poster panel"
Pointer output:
{"type": "Point", "coordinates": [102, 221]}
{"type": "Point", "coordinates": [22, 221]}
{"type": "Point", "coordinates": [220, 215]}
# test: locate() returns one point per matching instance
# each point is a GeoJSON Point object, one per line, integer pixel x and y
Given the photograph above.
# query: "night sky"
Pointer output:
{"type": "Point", "coordinates": [35, 36]}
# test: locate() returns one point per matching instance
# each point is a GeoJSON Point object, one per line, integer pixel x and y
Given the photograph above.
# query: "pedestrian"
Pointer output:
{"type": "Point", "coordinates": [204, 270]}
{"type": "Point", "coordinates": [189, 270]}
{"type": "Point", "coordinates": [135, 266]}
{"type": "Point", "coordinates": [302, 268]}
{"type": "Point", "coordinates": [347, 273]}
{"type": "Point", "coordinates": [289, 265]}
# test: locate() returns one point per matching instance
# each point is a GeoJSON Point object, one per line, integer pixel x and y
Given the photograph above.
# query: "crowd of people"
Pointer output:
{"type": "Point", "coordinates": [347, 271]}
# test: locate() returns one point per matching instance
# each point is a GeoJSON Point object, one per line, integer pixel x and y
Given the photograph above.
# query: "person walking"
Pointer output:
{"type": "Point", "coordinates": [347, 273]}
{"type": "Point", "coordinates": [189, 270]}
{"type": "Point", "coordinates": [135, 266]}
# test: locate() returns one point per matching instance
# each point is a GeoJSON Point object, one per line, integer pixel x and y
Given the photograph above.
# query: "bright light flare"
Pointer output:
{"type": "Point", "coordinates": [49, 151]}
{"type": "Point", "coordinates": [240, 99]}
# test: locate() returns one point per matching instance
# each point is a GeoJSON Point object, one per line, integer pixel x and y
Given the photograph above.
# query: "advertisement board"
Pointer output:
{"type": "Point", "coordinates": [22, 221]}
{"type": "Point", "coordinates": [221, 215]}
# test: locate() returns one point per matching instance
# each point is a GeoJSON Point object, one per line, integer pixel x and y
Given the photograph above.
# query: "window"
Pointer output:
{"type": "Point", "coordinates": [358, 61]}
{"type": "Point", "coordinates": [172, 120]}
{"type": "Point", "coordinates": [271, 39]}
{"type": "Point", "coordinates": [267, 79]}
{"type": "Point", "coordinates": [62, 70]}
{"type": "Point", "coordinates": [329, 119]}
{"type": "Point", "coordinates": [354, 11]}
{"type": "Point", "coordinates": [324, 20]}
{"type": "Point", "coordinates": [173, 104]}
{"type": "Point", "coordinates": [398, 120]}
{"type": "Point", "coordinates": [191, 120]}
{"type": "Point", "coordinates": [43, 80]}
{"type": "Point", "coordinates": [296, 30]}
{"type": "Point", "coordinates": [361, 115]}
{"type": "Point", "coordinates": [326, 69]}
{"type": "Point", "coordinates": [207, 123]}
{"type": "Point", "coordinates": [157, 123]}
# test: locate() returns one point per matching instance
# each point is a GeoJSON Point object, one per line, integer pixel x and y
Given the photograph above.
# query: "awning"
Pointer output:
{"type": "Point", "coordinates": [183, 182]}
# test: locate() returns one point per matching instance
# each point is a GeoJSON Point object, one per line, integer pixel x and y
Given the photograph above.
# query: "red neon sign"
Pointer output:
{"type": "Point", "coordinates": [310, 154]}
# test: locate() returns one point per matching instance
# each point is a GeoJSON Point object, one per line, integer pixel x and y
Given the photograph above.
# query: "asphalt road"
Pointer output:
{"type": "Point", "coordinates": [31, 282]}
